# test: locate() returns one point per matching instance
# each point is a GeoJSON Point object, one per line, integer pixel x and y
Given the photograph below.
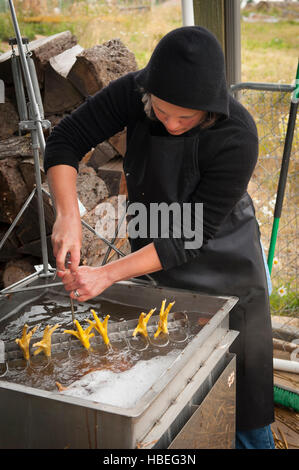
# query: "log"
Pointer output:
{"type": "Point", "coordinates": [284, 345]}
{"type": "Point", "coordinates": [2, 266]}
{"type": "Point", "coordinates": [59, 93]}
{"type": "Point", "coordinates": [119, 142]}
{"type": "Point", "coordinates": [87, 157]}
{"type": "Point", "coordinates": [16, 147]}
{"type": "Point", "coordinates": [102, 154]}
{"type": "Point", "coordinates": [42, 50]}
{"type": "Point", "coordinates": [10, 94]}
{"type": "Point", "coordinates": [27, 230]}
{"type": "Point", "coordinates": [113, 175]}
{"type": "Point", "coordinates": [17, 270]}
{"type": "Point", "coordinates": [9, 119]}
{"type": "Point", "coordinates": [96, 67]}
{"type": "Point", "coordinates": [13, 190]}
{"type": "Point", "coordinates": [10, 247]}
{"type": "Point", "coordinates": [27, 169]}
{"type": "Point", "coordinates": [34, 248]}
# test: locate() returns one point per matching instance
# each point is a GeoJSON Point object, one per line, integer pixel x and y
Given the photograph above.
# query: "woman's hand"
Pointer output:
{"type": "Point", "coordinates": [87, 281]}
{"type": "Point", "coordinates": [67, 238]}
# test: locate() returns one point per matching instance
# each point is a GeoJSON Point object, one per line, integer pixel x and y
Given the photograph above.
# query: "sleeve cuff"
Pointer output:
{"type": "Point", "coordinates": [59, 160]}
{"type": "Point", "coordinates": [168, 254]}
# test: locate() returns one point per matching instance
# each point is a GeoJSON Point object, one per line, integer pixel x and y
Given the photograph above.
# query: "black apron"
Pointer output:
{"type": "Point", "coordinates": [162, 169]}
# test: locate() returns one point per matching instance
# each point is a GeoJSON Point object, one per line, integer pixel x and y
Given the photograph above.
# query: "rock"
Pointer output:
{"type": "Point", "coordinates": [90, 188]}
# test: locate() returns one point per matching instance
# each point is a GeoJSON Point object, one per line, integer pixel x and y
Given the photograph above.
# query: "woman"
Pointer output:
{"type": "Point", "coordinates": [188, 141]}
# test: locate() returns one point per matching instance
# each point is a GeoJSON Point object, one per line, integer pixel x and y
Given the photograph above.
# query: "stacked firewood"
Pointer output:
{"type": "Point", "coordinates": [67, 74]}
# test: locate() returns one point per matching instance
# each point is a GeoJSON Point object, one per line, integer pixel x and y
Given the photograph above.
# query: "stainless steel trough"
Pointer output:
{"type": "Point", "coordinates": [191, 405]}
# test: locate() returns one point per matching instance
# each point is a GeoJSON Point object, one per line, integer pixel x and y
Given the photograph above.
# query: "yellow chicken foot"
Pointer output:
{"type": "Point", "coordinates": [142, 323]}
{"type": "Point", "coordinates": [162, 325]}
{"type": "Point", "coordinates": [60, 387]}
{"type": "Point", "coordinates": [101, 327]}
{"type": "Point", "coordinates": [24, 341]}
{"type": "Point", "coordinates": [83, 335]}
{"type": "Point", "coordinates": [45, 344]}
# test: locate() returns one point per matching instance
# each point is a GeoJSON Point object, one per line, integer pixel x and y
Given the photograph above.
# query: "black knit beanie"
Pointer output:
{"type": "Point", "coordinates": [187, 69]}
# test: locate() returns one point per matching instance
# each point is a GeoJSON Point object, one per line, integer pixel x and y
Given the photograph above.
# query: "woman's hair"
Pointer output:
{"type": "Point", "coordinates": [210, 119]}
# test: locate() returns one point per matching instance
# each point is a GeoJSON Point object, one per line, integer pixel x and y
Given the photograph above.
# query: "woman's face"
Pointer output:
{"type": "Point", "coordinates": [176, 120]}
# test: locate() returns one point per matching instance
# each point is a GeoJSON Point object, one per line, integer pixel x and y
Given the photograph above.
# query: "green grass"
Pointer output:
{"type": "Point", "coordinates": [269, 51]}
{"type": "Point", "coordinates": [286, 305]}
{"type": "Point", "coordinates": [273, 43]}
{"type": "Point", "coordinates": [283, 35]}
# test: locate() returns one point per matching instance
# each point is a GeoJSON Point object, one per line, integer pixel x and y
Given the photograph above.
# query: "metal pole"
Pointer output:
{"type": "Point", "coordinates": [36, 114]}
{"type": "Point", "coordinates": [40, 205]}
{"type": "Point", "coordinates": [187, 12]}
{"type": "Point", "coordinates": [19, 87]}
{"type": "Point", "coordinates": [262, 87]}
{"type": "Point", "coordinates": [36, 134]}
{"type": "Point", "coordinates": [232, 18]}
{"type": "Point", "coordinates": [35, 84]}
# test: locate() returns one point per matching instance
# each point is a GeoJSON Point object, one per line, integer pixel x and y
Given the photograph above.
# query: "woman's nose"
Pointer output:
{"type": "Point", "coordinates": [172, 123]}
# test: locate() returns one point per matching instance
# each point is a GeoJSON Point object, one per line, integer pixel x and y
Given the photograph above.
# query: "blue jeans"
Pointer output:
{"type": "Point", "coordinates": [260, 438]}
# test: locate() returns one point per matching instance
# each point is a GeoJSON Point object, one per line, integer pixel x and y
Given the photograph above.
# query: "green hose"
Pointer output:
{"type": "Point", "coordinates": [286, 398]}
{"type": "Point", "coordinates": [273, 243]}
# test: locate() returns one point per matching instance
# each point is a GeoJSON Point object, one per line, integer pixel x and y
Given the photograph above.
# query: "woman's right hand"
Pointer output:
{"type": "Point", "coordinates": [67, 238]}
{"type": "Point", "coordinates": [67, 229]}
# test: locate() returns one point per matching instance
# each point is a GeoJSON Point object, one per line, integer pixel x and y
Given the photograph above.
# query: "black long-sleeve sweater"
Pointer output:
{"type": "Point", "coordinates": [227, 153]}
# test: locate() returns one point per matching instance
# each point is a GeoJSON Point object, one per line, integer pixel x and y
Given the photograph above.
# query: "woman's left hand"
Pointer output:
{"type": "Point", "coordinates": [88, 282]}
{"type": "Point", "coordinates": [85, 283]}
